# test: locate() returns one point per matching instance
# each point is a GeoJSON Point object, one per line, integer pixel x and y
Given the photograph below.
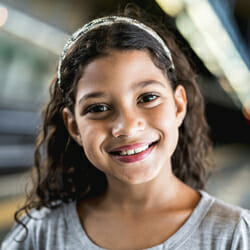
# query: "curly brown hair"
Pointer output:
{"type": "Point", "coordinates": [62, 171]}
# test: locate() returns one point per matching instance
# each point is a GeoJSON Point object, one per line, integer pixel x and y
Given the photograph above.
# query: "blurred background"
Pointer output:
{"type": "Point", "coordinates": [215, 34]}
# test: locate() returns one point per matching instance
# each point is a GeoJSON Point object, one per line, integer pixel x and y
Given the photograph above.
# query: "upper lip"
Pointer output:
{"type": "Point", "coordinates": [131, 146]}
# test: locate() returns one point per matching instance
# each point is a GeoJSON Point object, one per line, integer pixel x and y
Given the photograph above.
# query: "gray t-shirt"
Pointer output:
{"type": "Point", "coordinates": [212, 225]}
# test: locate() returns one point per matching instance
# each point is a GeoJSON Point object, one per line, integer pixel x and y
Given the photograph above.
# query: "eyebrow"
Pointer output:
{"type": "Point", "coordinates": [136, 86]}
{"type": "Point", "coordinates": [146, 83]}
{"type": "Point", "coordinates": [91, 95]}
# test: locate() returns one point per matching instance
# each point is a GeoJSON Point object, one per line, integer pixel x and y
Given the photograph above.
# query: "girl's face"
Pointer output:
{"type": "Point", "coordinates": [127, 116]}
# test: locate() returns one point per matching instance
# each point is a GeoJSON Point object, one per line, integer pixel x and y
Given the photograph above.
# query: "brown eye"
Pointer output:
{"type": "Point", "coordinates": [97, 108]}
{"type": "Point", "coordinates": [148, 98]}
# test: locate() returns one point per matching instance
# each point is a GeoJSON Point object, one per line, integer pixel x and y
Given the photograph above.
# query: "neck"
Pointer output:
{"type": "Point", "coordinates": [157, 193]}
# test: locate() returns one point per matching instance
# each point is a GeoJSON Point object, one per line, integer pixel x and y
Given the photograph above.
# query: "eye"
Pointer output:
{"type": "Point", "coordinates": [96, 108]}
{"type": "Point", "coordinates": [148, 97]}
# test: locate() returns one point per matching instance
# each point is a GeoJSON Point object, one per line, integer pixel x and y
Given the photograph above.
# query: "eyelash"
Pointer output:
{"type": "Point", "coordinates": [148, 95]}
{"type": "Point", "coordinates": [91, 108]}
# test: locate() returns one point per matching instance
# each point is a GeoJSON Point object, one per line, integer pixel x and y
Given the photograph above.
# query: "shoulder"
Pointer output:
{"type": "Point", "coordinates": [40, 224]}
{"type": "Point", "coordinates": [227, 222]}
{"type": "Point", "coordinates": [223, 212]}
{"type": "Point", "coordinates": [242, 232]}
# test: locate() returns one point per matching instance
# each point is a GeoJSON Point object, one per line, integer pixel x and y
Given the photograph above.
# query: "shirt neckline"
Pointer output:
{"type": "Point", "coordinates": [174, 242]}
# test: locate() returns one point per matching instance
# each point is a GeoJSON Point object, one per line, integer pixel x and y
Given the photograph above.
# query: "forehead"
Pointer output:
{"type": "Point", "coordinates": [121, 67]}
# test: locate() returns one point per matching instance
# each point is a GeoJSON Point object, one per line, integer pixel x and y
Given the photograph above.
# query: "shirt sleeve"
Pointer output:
{"type": "Point", "coordinates": [241, 239]}
{"type": "Point", "coordinates": [19, 238]}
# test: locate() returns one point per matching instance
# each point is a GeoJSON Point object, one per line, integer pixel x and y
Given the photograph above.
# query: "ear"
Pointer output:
{"type": "Point", "coordinates": [71, 125]}
{"type": "Point", "coordinates": [180, 104]}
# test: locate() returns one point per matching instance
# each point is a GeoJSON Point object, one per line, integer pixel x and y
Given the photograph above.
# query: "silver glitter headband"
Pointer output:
{"type": "Point", "coordinates": [103, 21]}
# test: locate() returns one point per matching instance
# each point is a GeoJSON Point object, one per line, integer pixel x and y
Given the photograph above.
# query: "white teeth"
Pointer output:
{"type": "Point", "coordinates": [130, 152]}
{"type": "Point", "coordinates": [123, 153]}
{"type": "Point", "coordinates": [133, 151]}
{"type": "Point", "coordinates": [138, 150]}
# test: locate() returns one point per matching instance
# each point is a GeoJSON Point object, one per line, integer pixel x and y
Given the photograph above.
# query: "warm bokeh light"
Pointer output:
{"type": "Point", "coordinates": [246, 113]}
{"type": "Point", "coordinates": [3, 15]}
{"type": "Point", "coordinates": [171, 7]}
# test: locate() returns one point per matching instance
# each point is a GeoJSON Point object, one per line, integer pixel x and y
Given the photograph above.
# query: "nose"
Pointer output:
{"type": "Point", "coordinates": [128, 124]}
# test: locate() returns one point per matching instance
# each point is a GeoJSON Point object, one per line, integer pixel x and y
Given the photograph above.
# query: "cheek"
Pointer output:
{"type": "Point", "coordinates": [92, 136]}
{"type": "Point", "coordinates": [164, 119]}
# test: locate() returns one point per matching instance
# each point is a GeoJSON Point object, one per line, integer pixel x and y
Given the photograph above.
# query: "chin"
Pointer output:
{"type": "Point", "coordinates": [140, 177]}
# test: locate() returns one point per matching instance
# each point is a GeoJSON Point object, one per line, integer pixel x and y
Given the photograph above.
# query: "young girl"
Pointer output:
{"type": "Point", "coordinates": [122, 157]}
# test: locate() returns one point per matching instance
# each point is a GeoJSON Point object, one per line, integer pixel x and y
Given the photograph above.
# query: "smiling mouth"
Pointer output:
{"type": "Point", "coordinates": [135, 151]}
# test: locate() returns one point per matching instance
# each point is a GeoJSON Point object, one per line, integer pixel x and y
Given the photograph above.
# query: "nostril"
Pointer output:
{"type": "Point", "coordinates": [129, 128]}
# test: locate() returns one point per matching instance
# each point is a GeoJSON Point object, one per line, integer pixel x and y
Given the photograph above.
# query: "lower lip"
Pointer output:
{"type": "Point", "coordinates": [136, 157]}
